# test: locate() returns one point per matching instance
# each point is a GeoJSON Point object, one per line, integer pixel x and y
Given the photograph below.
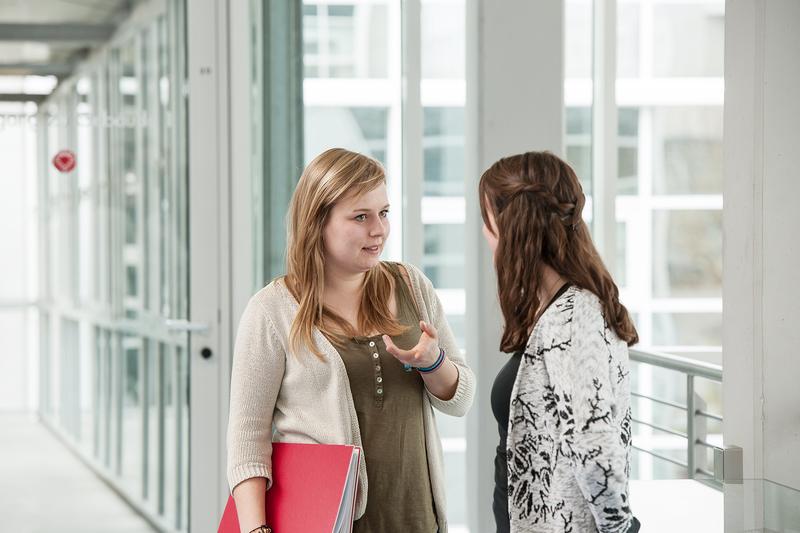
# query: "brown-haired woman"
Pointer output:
{"type": "Point", "coordinates": [562, 401]}
{"type": "Point", "coordinates": [346, 349]}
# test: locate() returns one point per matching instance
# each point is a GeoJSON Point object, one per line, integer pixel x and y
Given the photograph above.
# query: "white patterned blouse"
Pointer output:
{"type": "Point", "coordinates": [569, 437]}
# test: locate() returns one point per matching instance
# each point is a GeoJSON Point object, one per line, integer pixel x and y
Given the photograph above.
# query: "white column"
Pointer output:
{"type": "Point", "coordinates": [761, 255]}
{"type": "Point", "coordinates": [209, 255]}
{"type": "Point", "coordinates": [244, 274]}
{"type": "Point", "coordinates": [514, 77]}
{"type": "Point", "coordinates": [604, 131]}
{"type": "Point", "coordinates": [413, 237]}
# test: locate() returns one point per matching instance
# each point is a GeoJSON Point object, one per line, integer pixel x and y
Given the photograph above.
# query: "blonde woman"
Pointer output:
{"type": "Point", "coordinates": [346, 349]}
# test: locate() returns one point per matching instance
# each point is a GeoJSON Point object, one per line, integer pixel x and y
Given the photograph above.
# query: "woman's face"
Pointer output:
{"type": "Point", "coordinates": [490, 233]}
{"type": "Point", "coordinates": [356, 231]}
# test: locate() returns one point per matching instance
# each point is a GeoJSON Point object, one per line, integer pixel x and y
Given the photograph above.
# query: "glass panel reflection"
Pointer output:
{"type": "Point", "coordinates": [687, 329]}
{"type": "Point", "coordinates": [687, 253]}
{"type": "Point", "coordinates": [628, 151]}
{"type": "Point", "coordinates": [361, 129]}
{"type": "Point", "coordinates": [579, 144]}
{"type": "Point", "coordinates": [443, 39]}
{"type": "Point", "coordinates": [690, 39]}
{"type": "Point", "coordinates": [345, 40]}
{"type": "Point", "coordinates": [132, 430]}
{"type": "Point", "coordinates": [443, 261]}
{"type": "Point", "coordinates": [688, 150]}
{"type": "Point", "coordinates": [443, 151]}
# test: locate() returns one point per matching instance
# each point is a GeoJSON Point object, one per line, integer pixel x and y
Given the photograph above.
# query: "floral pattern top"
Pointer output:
{"type": "Point", "coordinates": [569, 439]}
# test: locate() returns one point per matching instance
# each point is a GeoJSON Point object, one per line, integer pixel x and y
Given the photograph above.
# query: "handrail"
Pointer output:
{"type": "Point", "coordinates": [661, 428]}
{"type": "Point", "coordinates": [680, 364]}
{"type": "Point", "coordinates": [659, 400]}
{"type": "Point", "coordinates": [694, 407]}
{"type": "Point", "coordinates": [712, 416]}
{"type": "Point", "coordinates": [17, 304]}
{"type": "Point", "coordinates": [659, 456]}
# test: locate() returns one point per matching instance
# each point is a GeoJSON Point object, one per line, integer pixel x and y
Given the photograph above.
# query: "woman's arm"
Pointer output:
{"type": "Point", "coordinates": [441, 381]}
{"type": "Point", "coordinates": [453, 389]}
{"type": "Point", "coordinates": [256, 376]}
{"type": "Point", "coordinates": [250, 498]}
{"type": "Point", "coordinates": [597, 442]}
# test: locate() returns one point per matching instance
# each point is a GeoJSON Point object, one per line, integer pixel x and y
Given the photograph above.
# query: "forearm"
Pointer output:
{"type": "Point", "coordinates": [442, 382]}
{"type": "Point", "coordinates": [250, 498]}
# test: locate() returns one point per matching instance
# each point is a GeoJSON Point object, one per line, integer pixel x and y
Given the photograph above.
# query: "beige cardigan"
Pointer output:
{"type": "Point", "coordinates": [306, 399]}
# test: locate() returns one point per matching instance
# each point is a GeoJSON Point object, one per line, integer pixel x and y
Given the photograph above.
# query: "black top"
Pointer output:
{"type": "Point", "coordinates": [501, 405]}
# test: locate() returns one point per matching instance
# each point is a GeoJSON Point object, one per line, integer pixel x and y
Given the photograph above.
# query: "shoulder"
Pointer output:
{"type": "Point", "coordinates": [590, 326]}
{"type": "Point", "coordinates": [412, 274]}
{"type": "Point", "coordinates": [574, 312]}
{"type": "Point", "coordinates": [408, 270]}
{"type": "Point", "coordinates": [274, 296]}
{"type": "Point", "coordinates": [587, 302]}
{"type": "Point", "coordinates": [574, 303]}
{"type": "Point", "coordinates": [588, 311]}
{"type": "Point", "coordinates": [417, 277]}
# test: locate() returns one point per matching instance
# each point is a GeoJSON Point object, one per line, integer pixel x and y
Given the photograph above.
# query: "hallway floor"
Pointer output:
{"type": "Point", "coordinates": [44, 487]}
{"type": "Point", "coordinates": [677, 505]}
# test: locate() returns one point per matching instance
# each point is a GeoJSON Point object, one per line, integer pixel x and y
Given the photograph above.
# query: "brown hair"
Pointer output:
{"type": "Point", "coordinates": [537, 202]}
{"type": "Point", "coordinates": [332, 175]}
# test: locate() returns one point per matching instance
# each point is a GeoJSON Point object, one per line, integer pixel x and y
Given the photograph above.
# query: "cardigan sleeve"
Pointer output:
{"type": "Point", "coordinates": [461, 401]}
{"type": "Point", "coordinates": [258, 368]}
{"type": "Point", "coordinates": [598, 455]}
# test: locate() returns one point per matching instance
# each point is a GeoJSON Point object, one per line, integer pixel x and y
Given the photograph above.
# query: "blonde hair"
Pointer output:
{"type": "Point", "coordinates": [332, 175]}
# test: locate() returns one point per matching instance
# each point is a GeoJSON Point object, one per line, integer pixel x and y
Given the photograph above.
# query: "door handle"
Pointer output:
{"type": "Point", "coordinates": [182, 324]}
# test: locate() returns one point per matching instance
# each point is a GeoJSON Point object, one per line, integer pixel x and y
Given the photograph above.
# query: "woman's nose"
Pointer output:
{"type": "Point", "coordinates": [379, 226]}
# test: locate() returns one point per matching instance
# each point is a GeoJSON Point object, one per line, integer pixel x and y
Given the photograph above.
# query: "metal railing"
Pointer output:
{"type": "Point", "coordinates": [694, 408]}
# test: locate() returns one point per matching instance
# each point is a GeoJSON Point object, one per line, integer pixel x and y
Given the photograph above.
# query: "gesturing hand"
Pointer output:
{"type": "Point", "coordinates": [424, 354]}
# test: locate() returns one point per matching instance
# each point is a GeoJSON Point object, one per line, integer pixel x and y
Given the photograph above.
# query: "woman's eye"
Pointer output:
{"type": "Point", "coordinates": [361, 218]}
{"type": "Point", "coordinates": [385, 213]}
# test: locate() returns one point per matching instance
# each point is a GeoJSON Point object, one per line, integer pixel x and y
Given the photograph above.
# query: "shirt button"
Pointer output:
{"type": "Point", "coordinates": [380, 380]}
{"type": "Point", "coordinates": [372, 343]}
{"type": "Point", "coordinates": [375, 355]}
{"type": "Point", "coordinates": [380, 390]}
{"type": "Point", "coordinates": [377, 368]}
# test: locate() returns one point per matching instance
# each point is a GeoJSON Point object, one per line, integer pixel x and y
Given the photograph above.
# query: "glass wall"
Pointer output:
{"type": "Point", "coordinates": [669, 205]}
{"type": "Point", "coordinates": [349, 98]}
{"type": "Point", "coordinates": [114, 372]}
{"type": "Point", "coordinates": [668, 257]}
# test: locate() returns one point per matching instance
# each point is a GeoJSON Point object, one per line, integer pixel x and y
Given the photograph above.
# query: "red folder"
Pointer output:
{"type": "Point", "coordinates": [313, 490]}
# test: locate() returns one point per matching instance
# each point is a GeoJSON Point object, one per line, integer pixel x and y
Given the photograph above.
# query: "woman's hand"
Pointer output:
{"type": "Point", "coordinates": [424, 354]}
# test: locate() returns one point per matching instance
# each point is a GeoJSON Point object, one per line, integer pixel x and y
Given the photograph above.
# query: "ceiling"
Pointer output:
{"type": "Point", "coordinates": [49, 37]}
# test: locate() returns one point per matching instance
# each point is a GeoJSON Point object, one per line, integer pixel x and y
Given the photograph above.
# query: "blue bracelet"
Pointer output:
{"type": "Point", "coordinates": [434, 366]}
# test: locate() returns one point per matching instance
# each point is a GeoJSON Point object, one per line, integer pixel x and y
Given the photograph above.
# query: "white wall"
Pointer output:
{"type": "Point", "coordinates": [761, 334]}
{"type": "Point", "coordinates": [781, 252]}
{"type": "Point", "coordinates": [515, 72]}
